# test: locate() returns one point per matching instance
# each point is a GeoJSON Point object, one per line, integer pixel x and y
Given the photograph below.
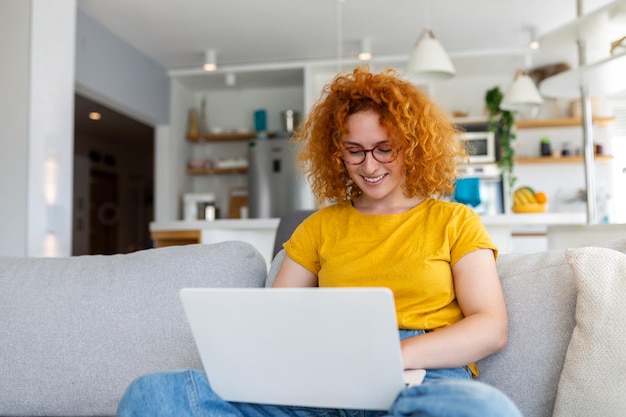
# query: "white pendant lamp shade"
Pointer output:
{"type": "Point", "coordinates": [429, 61]}
{"type": "Point", "coordinates": [522, 94]}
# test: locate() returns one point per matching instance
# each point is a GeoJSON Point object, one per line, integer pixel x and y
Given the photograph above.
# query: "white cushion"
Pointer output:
{"type": "Point", "coordinates": [593, 380]}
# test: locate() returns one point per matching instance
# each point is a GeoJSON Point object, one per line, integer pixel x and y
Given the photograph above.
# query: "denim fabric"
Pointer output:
{"type": "Point", "coordinates": [444, 393]}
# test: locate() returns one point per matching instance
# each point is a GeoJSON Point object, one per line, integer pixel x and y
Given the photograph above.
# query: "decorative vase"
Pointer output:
{"type": "Point", "coordinates": [192, 129]}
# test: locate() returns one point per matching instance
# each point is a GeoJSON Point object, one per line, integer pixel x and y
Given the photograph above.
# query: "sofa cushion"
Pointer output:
{"type": "Point", "coordinates": [76, 331]}
{"type": "Point", "coordinates": [540, 293]}
{"type": "Point", "coordinates": [595, 365]}
{"type": "Point", "coordinates": [540, 296]}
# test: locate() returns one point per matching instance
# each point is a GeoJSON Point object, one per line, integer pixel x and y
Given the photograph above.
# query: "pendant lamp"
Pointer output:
{"type": "Point", "coordinates": [522, 94]}
{"type": "Point", "coordinates": [429, 61]}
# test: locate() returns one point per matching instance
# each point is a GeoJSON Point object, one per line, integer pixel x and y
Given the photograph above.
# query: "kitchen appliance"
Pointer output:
{"type": "Point", "coordinates": [482, 145]}
{"type": "Point", "coordinates": [291, 119]}
{"type": "Point", "coordinates": [275, 185]}
{"type": "Point", "coordinates": [199, 206]}
{"type": "Point", "coordinates": [480, 186]}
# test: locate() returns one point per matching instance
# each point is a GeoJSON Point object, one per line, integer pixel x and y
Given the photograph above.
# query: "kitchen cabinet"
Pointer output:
{"type": "Point", "coordinates": [163, 238]}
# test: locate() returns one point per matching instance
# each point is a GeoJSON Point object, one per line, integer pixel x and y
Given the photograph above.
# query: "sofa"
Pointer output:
{"type": "Point", "coordinates": [76, 331]}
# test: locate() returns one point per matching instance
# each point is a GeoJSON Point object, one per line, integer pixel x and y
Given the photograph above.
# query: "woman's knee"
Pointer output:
{"type": "Point", "coordinates": [454, 397]}
{"type": "Point", "coordinates": [156, 392]}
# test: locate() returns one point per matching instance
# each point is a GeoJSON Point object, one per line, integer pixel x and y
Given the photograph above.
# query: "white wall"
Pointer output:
{"type": "Point", "coordinates": [14, 84]}
{"type": "Point", "coordinates": [114, 73]}
{"type": "Point", "coordinates": [37, 126]}
{"type": "Point", "coordinates": [40, 46]}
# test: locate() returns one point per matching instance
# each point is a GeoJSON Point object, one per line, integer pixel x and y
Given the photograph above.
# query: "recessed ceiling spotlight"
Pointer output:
{"type": "Point", "coordinates": [94, 115]}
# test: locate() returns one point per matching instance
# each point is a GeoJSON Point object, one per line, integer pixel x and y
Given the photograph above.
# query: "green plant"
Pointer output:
{"type": "Point", "coordinates": [502, 123]}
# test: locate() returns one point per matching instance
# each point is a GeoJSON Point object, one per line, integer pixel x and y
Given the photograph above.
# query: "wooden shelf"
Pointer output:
{"type": "Point", "coordinates": [563, 122]}
{"type": "Point", "coordinates": [542, 123]}
{"type": "Point", "coordinates": [210, 171]}
{"type": "Point", "coordinates": [560, 160]}
{"type": "Point", "coordinates": [222, 137]}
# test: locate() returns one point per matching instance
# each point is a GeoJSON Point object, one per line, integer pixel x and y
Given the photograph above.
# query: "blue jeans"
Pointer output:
{"type": "Point", "coordinates": [444, 393]}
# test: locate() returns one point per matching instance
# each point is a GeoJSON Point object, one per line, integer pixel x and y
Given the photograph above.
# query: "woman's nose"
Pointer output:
{"type": "Point", "coordinates": [370, 163]}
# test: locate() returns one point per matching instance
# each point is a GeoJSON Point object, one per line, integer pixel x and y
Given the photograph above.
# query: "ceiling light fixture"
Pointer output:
{"type": "Point", "coordinates": [94, 115]}
{"type": "Point", "coordinates": [429, 61]}
{"type": "Point", "coordinates": [365, 52]}
{"type": "Point", "coordinates": [210, 61]}
{"type": "Point", "coordinates": [522, 94]}
{"type": "Point", "coordinates": [534, 41]}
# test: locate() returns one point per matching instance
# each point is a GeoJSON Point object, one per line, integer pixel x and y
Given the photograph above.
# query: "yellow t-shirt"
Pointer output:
{"type": "Point", "coordinates": [411, 253]}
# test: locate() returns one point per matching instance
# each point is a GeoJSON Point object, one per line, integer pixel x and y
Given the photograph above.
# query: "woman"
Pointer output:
{"type": "Point", "coordinates": [379, 151]}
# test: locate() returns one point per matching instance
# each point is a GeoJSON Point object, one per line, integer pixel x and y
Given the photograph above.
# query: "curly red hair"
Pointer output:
{"type": "Point", "coordinates": [428, 140]}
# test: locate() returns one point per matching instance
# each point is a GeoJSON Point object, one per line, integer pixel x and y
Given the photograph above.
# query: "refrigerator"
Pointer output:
{"type": "Point", "coordinates": [275, 184]}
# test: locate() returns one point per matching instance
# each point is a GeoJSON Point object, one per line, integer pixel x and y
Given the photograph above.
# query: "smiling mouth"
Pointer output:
{"type": "Point", "coordinates": [373, 180]}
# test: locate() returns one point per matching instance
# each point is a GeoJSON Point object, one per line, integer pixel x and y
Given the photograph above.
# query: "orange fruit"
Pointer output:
{"type": "Point", "coordinates": [541, 197]}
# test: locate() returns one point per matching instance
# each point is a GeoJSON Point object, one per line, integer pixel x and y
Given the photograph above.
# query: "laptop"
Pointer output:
{"type": "Point", "coordinates": [312, 347]}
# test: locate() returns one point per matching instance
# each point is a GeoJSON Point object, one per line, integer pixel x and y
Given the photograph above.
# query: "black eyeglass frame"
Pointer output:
{"type": "Point", "coordinates": [394, 153]}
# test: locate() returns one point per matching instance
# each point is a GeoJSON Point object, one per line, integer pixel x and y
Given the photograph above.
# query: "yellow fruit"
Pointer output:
{"type": "Point", "coordinates": [523, 196]}
{"type": "Point", "coordinates": [541, 197]}
{"type": "Point", "coordinates": [526, 200]}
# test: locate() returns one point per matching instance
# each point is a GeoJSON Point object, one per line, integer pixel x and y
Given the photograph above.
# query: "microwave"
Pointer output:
{"type": "Point", "coordinates": [480, 146]}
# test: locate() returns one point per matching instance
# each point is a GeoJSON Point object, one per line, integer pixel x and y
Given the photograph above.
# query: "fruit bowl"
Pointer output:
{"type": "Point", "coordinates": [526, 200]}
{"type": "Point", "coordinates": [530, 208]}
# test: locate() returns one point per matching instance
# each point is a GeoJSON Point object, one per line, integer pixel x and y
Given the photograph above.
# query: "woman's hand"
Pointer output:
{"type": "Point", "coordinates": [481, 332]}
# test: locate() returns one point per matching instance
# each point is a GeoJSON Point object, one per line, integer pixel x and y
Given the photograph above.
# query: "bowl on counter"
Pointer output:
{"type": "Point", "coordinates": [530, 208]}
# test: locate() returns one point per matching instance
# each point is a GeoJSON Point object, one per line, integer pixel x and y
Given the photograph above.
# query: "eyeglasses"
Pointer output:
{"type": "Point", "coordinates": [383, 153]}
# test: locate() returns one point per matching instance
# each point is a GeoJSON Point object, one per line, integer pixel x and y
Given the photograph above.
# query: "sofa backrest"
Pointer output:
{"type": "Point", "coordinates": [540, 294]}
{"type": "Point", "coordinates": [287, 225]}
{"type": "Point", "coordinates": [76, 331]}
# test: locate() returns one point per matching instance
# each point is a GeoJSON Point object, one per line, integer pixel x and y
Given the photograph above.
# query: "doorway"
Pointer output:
{"type": "Point", "coordinates": [113, 181]}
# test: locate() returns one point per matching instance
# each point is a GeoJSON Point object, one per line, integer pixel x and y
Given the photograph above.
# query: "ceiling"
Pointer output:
{"type": "Point", "coordinates": [477, 34]}
{"type": "Point", "coordinates": [113, 128]}
{"type": "Point", "coordinates": [175, 33]}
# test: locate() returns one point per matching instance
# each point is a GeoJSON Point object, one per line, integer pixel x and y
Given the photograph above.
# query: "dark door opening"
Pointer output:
{"type": "Point", "coordinates": [113, 181]}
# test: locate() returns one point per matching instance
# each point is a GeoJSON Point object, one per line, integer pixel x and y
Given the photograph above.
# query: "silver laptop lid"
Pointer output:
{"type": "Point", "coordinates": [317, 347]}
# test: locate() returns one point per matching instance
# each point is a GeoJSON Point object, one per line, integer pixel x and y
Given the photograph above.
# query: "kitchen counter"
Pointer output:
{"type": "Point", "coordinates": [506, 228]}
{"type": "Point", "coordinates": [534, 219]}
{"type": "Point", "coordinates": [262, 232]}
{"type": "Point", "coordinates": [232, 224]}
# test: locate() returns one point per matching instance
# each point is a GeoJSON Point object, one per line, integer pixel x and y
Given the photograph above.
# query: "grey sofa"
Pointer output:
{"type": "Point", "coordinates": [75, 331]}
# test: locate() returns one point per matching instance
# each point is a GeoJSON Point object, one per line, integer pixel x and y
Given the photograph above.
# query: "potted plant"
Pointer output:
{"type": "Point", "coordinates": [502, 123]}
{"type": "Point", "coordinates": [545, 149]}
